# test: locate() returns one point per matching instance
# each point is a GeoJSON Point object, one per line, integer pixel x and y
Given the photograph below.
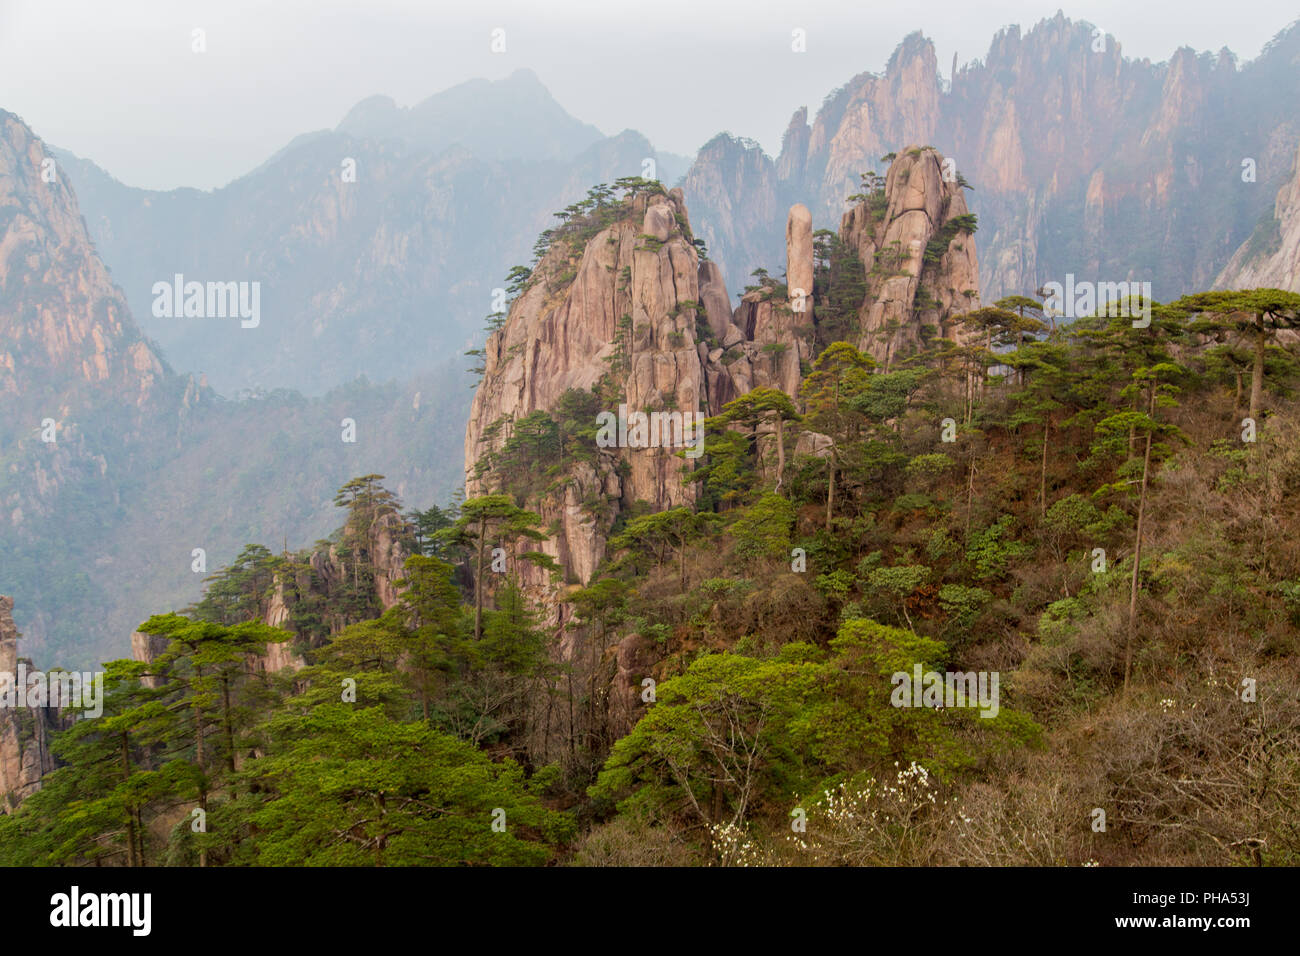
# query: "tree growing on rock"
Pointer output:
{"type": "Point", "coordinates": [490, 518]}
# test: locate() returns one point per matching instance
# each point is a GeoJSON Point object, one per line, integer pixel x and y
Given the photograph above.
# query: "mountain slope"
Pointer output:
{"type": "Point", "coordinates": [98, 526]}
{"type": "Point", "coordinates": [383, 274]}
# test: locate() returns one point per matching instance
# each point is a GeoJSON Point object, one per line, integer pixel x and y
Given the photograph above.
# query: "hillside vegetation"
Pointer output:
{"type": "Point", "coordinates": [1083, 512]}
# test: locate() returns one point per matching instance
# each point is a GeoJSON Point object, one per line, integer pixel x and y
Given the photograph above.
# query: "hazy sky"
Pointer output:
{"type": "Point", "coordinates": [117, 82]}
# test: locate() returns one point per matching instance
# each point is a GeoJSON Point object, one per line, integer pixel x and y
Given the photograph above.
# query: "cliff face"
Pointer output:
{"type": "Point", "coordinates": [872, 116]}
{"type": "Point", "coordinates": [619, 311]}
{"type": "Point", "coordinates": [63, 324]}
{"type": "Point", "coordinates": [24, 732]}
{"type": "Point", "coordinates": [738, 200]}
{"type": "Point", "coordinates": [1270, 258]}
{"type": "Point", "coordinates": [85, 396]}
{"type": "Point", "coordinates": [626, 304]}
{"type": "Point", "coordinates": [630, 310]}
{"type": "Point", "coordinates": [1055, 125]}
{"type": "Point", "coordinates": [921, 265]}
{"type": "Point", "coordinates": [634, 303]}
{"type": "Point", "coordinates": [630, 313]}
{"type": "Point", "coordinates": [775, 334]}
{"type": "Point", "coordinates": [97, 526]}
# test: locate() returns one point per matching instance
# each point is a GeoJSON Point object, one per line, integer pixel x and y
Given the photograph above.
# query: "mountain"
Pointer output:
{"type": "Point", "coordinates": [1081, 160]}
{"type": "Point", "coordinates": [918, 251]}
{"type": "Point", "coordinates": [944, 584]}
{"type": "Point", "coordinates": [719, 624]}
{"type": "Point", "coordinates": [65, 328]}
{"type": "Point", "coordinates": [1063, 139]}
{"type": "Point", "coordinates": [620, 317]}
{"type": "Point", "coordinates": [84, 393]}
{"type": "Point", "coordinates": [377, 246]}
{"type": "Point", "coordinates": [511, 119]}
{"type": "Point", "coordinates": [737, 196]}
{"type": "Point", "coordinates": [98, 526]}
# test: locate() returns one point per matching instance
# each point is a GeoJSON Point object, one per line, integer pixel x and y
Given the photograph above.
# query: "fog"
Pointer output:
{"type": "Point", "coordinates": [121, 84]}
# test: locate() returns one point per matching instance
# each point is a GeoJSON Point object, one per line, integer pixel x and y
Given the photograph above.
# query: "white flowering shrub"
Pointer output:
{"type": "Point", "coordinates": [869, 822]}
{"type": "Point", "coordinates": [732, 846]}
{"type": "Point", "coordinates": [896, 821]}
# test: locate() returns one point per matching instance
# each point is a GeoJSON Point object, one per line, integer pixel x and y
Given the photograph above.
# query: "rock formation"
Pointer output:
{"type": "Point", "coordinates": [626, 304]}
{"type": "Point", "coordinates": [1053, 124]}
{"type": "Point", "coordinates": [1270, 258]}
{"type": "Point", "coordinates": [920, 261]}
{"type": "Point", "coordinates": [799, 257]}
{"type": "Point", "coordinates": [629, 312]}
{"type": "Point", "coordinates": [773, 336]}
{"type": "Point", "coordinates": [714, 300]}
{"type": "Point", "coordinates": [97, 526]}
{"type": "Point", "coordinates": [320, 578]}
{"type": "Point", "coordinates": [738, 201]}
{"type": "Point", "coordinates": [633, 303]}
{"type": "Point", "coordinates": [145, 648]}
{"type": "Point", "coordinates": [631, 306]}
{"type": "Point", "coordinates": [82, 390]}
{"type": "Point", "coordinates": [24, 732]}
{"type": "Point", "coordinates": [64, 325]}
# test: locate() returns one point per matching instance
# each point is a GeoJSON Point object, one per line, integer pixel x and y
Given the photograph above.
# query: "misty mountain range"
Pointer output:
{"type": "Point", "coordinates": [1079, 161]}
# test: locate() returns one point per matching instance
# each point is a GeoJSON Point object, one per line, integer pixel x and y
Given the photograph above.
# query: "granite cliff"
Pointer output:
{"type": "Point", "coordinates": [24, 731]}
{"type": "Point", "coordinates": [919, 255]}
{"type": "Point", "coordinates": [1270, 258]}
{"type": "Point", "coordinates": [621, 309]}
{"type": "Point", "coordinates": [1083, 160]}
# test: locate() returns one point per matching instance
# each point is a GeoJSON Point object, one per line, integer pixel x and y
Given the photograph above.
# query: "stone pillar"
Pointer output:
{"type": "Point", "coordinates": [799, 261]}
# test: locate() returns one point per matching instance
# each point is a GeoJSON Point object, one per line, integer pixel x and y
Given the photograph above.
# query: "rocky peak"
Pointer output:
{"type": "Point", "coordinates": [880, 112]}
{"type": "Point", "coordinates": [794, 146]}
{"type": "Point", "coordinates": [625, 304]}
{"type": "Point", "coordinates": [8, 636]}
{"type": "Point", "coordinates": [799, 257]}
{"type": "Point", "coordinates": [1053, 124]}
{"type": "Point", "coordinates": [772, 336]}
{"type": "Point", "coordinates": [735, 192]}
{"type": "Point", "coordinates": [512, 118]}
{"type": "Point", "coordinates": [85, 395]}
{"type": "Point", "coordinates": [625, 308]}
{"type": "Point", "coordinates": [918, 251]}
{"type": "Point", "coordinates": [63, 324]}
